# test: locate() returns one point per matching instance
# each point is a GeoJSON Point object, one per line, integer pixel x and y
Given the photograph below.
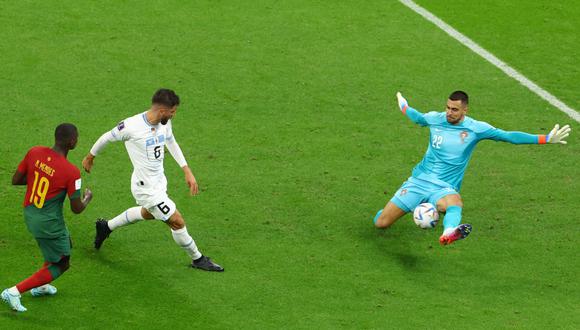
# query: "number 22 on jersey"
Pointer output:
{"type": "Point", "coordinates": [437, 140]}
{"type": "Point", "coordinates": [39, 190]}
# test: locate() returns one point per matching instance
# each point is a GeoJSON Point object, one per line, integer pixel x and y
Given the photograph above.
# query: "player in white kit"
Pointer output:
{"type": "Point", "coordinates": [146, 135]}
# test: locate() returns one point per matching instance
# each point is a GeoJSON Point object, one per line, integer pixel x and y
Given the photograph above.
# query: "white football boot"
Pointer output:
{"type": "Point", "coordinates": [43, 290]}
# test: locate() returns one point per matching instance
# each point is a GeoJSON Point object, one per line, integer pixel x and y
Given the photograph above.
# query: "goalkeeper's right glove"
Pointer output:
{"type": "Point", "coordinates": [557, 135]}
{"type": "Point", "coordinates": [403, 105]}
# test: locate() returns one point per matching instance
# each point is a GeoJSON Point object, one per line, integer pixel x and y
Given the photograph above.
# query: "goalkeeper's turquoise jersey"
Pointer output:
{"type": "Point", "coordinates": [451, 146]}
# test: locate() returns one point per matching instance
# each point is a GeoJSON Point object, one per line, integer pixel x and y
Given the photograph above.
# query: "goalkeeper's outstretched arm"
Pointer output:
{"type": "Point", "coordinates": [556, 135]}
{"type": "Point", "coordinates": [413, 114]}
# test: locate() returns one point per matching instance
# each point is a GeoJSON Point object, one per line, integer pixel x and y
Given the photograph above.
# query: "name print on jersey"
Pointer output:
{"type": "Point", "coordinates": [44, 167]}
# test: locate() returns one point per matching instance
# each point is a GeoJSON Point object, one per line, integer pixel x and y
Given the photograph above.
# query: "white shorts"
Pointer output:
{"type": "Point", "coordinates": [160, 206]}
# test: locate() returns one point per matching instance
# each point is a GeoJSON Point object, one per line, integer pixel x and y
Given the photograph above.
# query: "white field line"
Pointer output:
{"type": "Point", "coordinates": [493, 60]}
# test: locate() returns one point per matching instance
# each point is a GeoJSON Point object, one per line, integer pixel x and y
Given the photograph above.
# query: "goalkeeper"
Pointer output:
{"type": "Point", "coordinates": [437, 178]}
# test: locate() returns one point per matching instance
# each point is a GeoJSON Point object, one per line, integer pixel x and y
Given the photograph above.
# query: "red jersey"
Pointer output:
{"type": "Point", "coordinates": [49, 178]}
{"type": "Point", "coordinates": [48, 174]}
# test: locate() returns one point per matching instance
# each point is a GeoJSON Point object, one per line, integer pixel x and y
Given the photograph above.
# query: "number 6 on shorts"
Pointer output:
{"type": "Point", "coordinates": [163, 210]}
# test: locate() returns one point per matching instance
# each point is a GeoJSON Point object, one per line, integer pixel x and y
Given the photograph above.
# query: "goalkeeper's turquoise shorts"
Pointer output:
{"type": "Point", "coordinates": [416, 191]}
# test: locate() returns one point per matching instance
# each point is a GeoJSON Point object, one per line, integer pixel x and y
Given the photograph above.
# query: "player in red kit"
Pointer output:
{"type": "Point", "coordinates": [49, 178]}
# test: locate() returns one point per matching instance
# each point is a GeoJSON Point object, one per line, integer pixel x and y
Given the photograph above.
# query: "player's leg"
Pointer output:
{"type": "Point", "coordinates": [183, 239]}
{"type": "Point", "coordinates": [167, 211]}
{"type": "Point", "coordinates": [130, 216]}
{"type": "Point", "coordinates": [56, 269]}
{"type": "Point", "coordinates": [389, 215]}
{"type": "Point", "coordinates": [449, 202]}
{"type": "Point", "coordinates": [181, 236]}
{"type": "Point", "coordinates": [403, 201]}
{"type": "Point", "coordinates": [56, 253]}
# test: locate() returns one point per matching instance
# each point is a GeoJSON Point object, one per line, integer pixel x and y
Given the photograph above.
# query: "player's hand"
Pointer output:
{"type": "Point", "coordinates": [88, 196]}
{"type": "Point", "coordinates": [191, 182]}
{"type": "Point", "coordinates": [557, 135]}
{"type": "Point", "coordinates": [88, 162]}
{"type": "Point", "coordinates": [402, 101]}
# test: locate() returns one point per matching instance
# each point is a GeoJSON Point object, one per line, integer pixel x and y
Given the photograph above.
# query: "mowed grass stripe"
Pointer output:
{"type": "Point", "coordinates": [284, 125]}
{"type": "Point", "coordinates": [493, 59]}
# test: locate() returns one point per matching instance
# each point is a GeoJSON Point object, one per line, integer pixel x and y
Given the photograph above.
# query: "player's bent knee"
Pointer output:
{"type": "Point", "coordinates": [63, 264]}
{"type": "Point", "coordinates": [380, 224]}
{"type": "Point", "coordinates": [383, 222]}
{"type": "Point", "coordinates": [146, 214]}
{"type": "Point", "coordinates": [176, 221]}
{"type": "Point", "coordinates": [447, 201]}
{"type": "Point", "coordinates": [390, 214]}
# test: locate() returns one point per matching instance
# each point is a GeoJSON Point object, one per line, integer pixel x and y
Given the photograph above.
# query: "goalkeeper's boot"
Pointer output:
{"type": "Point", "coordinates": [205, 263]}
{"type": "Point", "coordinates": [459, 232]}
{"type": "Point", "coordinates": [43, 290]}
{"type": "Point", "coordinates": [13, 301]}
{"type": "Point", "coordinates": [103, 232]}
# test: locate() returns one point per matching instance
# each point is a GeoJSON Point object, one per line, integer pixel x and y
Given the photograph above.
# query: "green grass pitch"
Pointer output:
{"type": "Point", "coordinates": [289, 122]}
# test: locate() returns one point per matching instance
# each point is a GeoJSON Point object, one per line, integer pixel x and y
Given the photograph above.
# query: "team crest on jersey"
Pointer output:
{"type": "Point", "coordinates": [403, 192]}
{"type": "Point", "coordinates": [121, 125]}
{"type": "Point", "coordinates": [463, 135]}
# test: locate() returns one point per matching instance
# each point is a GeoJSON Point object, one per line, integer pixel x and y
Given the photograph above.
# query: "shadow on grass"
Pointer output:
{"type": "Point", "coordinates": [397, 245]}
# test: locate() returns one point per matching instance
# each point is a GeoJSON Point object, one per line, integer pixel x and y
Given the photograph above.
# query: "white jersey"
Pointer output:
{"type": "Point", "coordinates": [145, 144]}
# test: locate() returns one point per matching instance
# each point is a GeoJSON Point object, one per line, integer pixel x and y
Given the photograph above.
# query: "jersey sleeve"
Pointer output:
{"type": "Point", "coordinates": [415, 115]}
{"type": "Point", "coordinates": [23, 166]}
{"type": "Point", "coordinates": [433, 117]}
{"type": "Point", "coordinates": [486, 131]}
{"type": "Point", "coordinates": [73, 186]}
{"type": "Point", "coordinates": [120, 132]}
{"type": "Point", "coordinates": [173, 147]}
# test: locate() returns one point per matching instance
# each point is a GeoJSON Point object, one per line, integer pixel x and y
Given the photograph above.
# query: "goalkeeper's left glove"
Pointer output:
{"type": "Point", "coordinates": [403, 105]}
{"type": "Point", "coordinates": [557, 135]}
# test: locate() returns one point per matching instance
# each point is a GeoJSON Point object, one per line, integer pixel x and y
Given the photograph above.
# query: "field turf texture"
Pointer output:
{"type": "Point", "coordinates": [290, 125]}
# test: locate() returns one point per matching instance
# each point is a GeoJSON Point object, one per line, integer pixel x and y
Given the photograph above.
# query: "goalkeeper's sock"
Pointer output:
{"type": "Point", "coordinates": [128, 217]}
{"type": "Point", "coordinates": [183, 239]}
{"type": "Point", "coordinates": [377, 216]}
{"type": "Point", "coordinates": [452, 218]}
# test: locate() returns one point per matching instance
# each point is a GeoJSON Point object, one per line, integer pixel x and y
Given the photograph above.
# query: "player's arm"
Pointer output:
{"type": "Point", "coordinates": [19, 178]}
{"type": "Point", "coordinates": [557, 135]}
{"type": "Point", "coordinates": [413, 114]}
{"type": "Point", "coordinates": [177, 154]}
{"type": "Point", "coordinates": [110, 136]}
{"type": "Point", "coordinates": [79, 204]}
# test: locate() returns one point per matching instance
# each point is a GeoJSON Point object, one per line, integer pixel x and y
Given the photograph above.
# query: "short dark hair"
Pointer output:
{"type": "Point", "coordinates": [65, 132]}
{"type": "Point", "coordinates": [165, 97]}
{"type": "Point", "coordinates": [459, 96]}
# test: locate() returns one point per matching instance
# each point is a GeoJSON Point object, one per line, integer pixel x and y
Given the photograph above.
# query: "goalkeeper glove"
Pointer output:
{"type": "Point", "coordinates": [557, 135]}
{"type": "Point", "coordinates": [403, 105]}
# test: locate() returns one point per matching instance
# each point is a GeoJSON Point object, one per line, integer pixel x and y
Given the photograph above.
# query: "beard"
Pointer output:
{"type": "Point", "coordinates": [453, 121]}
{"type": "Point", "coordinates": [164, 121]}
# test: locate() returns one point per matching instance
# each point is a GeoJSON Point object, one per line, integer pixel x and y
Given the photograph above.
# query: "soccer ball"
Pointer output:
{"type": "Point", "coordinates": [426, 216]}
